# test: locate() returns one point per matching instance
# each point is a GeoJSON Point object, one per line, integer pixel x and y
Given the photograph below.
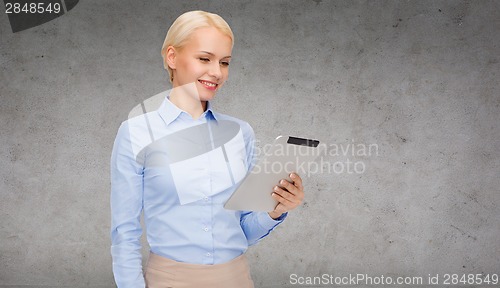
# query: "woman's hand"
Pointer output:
{"type": "Point", "coordinates": [289, 197]}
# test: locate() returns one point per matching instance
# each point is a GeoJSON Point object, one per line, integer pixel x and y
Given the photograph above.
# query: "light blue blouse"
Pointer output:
{"type": "Point", "coordinates": [180, 171]}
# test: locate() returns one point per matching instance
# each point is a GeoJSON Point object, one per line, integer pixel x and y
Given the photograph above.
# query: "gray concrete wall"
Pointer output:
{"type": "Point", "coordinates": [418, 80]}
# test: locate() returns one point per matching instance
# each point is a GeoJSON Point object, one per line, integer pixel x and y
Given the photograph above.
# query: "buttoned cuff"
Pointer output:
{"type": "Point", "coordinates": [267, 222]}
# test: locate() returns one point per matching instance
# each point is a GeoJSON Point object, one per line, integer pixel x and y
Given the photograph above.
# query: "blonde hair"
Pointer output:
{"type": "Point", "coordinates": [182, 28]}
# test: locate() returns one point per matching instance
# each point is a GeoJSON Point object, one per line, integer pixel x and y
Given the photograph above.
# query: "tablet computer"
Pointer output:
{"type": "Point", "coordinates": [287, 154]}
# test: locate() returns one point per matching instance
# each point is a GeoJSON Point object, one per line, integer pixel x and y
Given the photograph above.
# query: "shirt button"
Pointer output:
{"type": "Point", "coordinates": [208, 254]}
{"type": "Point", "coordinates": [206, 229]}
{"type": "Point", "coordinates": [206, 199]}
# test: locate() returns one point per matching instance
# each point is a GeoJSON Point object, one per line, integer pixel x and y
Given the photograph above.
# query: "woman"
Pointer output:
{"type": "Point", "coordinates": [183, 176]}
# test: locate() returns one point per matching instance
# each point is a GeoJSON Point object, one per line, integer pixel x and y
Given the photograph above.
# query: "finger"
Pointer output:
{"type": "Point", "coordinates": [283, 193]}
{"type": "Point", "coordinates": [297, 181]}
{"type": "Point", "coordinates": [284, 205]}
{"type": "Point", "coordinates": [290, 187]}
{"type": "Point", "coordinates": [287, 200]}
{"type": "Point", "coordinates": [292, 201]}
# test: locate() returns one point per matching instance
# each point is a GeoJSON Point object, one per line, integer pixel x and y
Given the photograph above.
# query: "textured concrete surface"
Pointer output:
{"type": "Point", "coordinates": [418, 80]}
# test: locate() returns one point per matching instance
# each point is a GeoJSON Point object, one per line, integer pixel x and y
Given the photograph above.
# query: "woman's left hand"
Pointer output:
{"type": "Point", "coordinates": [289, 197]}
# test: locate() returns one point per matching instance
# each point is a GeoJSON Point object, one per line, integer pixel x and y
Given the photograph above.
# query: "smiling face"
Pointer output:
{"type": "Point", "coordinates": [203, 60]}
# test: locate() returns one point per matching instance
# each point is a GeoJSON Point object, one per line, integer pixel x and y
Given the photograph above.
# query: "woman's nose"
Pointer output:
{"type": "Point", "coordinates": [215, 71]}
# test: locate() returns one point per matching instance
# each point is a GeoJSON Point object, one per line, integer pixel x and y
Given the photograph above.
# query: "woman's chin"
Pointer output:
{"type": "Point", "coordinates": [206, 95]}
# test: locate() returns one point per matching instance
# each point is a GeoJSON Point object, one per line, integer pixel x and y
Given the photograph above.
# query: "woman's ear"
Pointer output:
{"type": "Point", "coordinates": [170, 58]}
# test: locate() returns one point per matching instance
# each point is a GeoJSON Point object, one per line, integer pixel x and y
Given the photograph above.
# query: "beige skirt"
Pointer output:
{"type": "Point", "coordinates": [162, 272]}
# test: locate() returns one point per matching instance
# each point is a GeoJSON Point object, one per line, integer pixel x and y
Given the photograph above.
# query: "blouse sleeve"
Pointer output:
{"type": "Point", "coordinates": [126, 208]}
{"type": "Point", "coordinates": [256, 225]}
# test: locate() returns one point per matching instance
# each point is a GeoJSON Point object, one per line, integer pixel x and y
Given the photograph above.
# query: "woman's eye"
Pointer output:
{"type": "Point", "coordinates": [224, 63]}
{"type": "Point", "coordinates": [204, 59]}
